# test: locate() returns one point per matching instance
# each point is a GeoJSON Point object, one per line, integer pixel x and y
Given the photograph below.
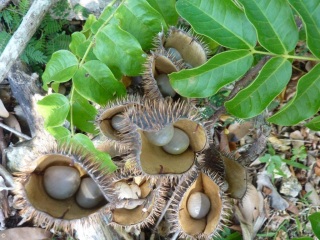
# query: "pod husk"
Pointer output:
{"type": "Point", "coordinates": [191, 49]}
{"type": "Point", "coordinates": [37, 205]}
{"type": "Point", "coordinates": [145, 214]}
{"type": "Point", "coordinates": [155, 115]}
{"type": "Point", "coordinates": [209, 226]}
{"type": "Point", "coordinates": [103, 120]}
{"type": "Point", "coordinates": [159, 62]}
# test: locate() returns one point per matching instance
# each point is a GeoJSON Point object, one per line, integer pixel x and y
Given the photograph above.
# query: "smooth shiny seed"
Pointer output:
{"type": "Point", "coordinates": [178, 144]}
{"type": "Point", "coordinates": [165, 86]}
{"type": "Point", "coordinates": [116, 122]}
{"type": "Point", "coordinates": [161, 137]}
{"type": "Point", "coordinates": [61, 182]}
{"type": "Point", "coordinates": [89, 194]}
{"type": "Point", "coordinates": [198, 205]}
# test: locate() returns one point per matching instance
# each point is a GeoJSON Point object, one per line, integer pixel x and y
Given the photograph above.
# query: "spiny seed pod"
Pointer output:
{"type": "Point", "coordinates": [53, 167]}
{"type": "Point", "coordinates": [154, 160]}
{"type": "Point", "coordinates": [179, 42]}
{"type": "Point", "coordinates": [109, 120]}
{"type": "Point", "coordinates": [155, 78]}
{"type": "Point", "coordinates": [200, 208]}
{"type": "Point", "coordinates": [139, 202]}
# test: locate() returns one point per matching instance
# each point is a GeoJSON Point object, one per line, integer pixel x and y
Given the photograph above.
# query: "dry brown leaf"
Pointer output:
{"type": "Point", "coordinates": [25, 233]}
{"type": "Point", "coordinates": [279, 144]}
{"type": "Point", "coordinates": [3, 111]}
{"type": "Point", "coordinates": [239, 130]}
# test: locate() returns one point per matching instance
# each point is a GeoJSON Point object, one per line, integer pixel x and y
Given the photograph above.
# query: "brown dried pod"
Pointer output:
{"type": "Point", "coordinates": [154, 117]}
{"type": "Point", "coordinates": [155, 77]}
{"type": "Point", "coordinates": [200, 208]}
{"type": "Point", "coordinates": [109, 120]}
{"type": "Point", "coordinates": [34, 195]}
{"type": "Point", "coordinates": [193, 52]}
{"type": "Point", "coordinates": [140, 201]}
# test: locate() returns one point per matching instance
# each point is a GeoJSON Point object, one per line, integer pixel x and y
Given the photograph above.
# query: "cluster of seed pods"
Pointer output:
{"type": "Point", "coordinates": [160, 146]}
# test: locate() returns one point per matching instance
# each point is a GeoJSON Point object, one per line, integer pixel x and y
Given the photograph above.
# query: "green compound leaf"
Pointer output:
{"type": "Point", "coordinates": [76, 39]}
{"type": "Point", "coordinates": [61, 67]}
{"type": "Point", "coordinates": [95, 81]}
{"type": "Point", "coordinates": [310, 14]}
{"type": "Point", "coordinates": [59, 133]}
{"type": "Point", "coordinates": [119, 50]}
{"type": "Point", "coordinates": [83, 113]}
{"type": "Point", "coordinates": [220, 20]}
{"type": "Point", "coordinates": [314, 219]}
{"type": "Point", "coordinates": [166, 9]}
{"type": "Point", "coordinates": [54, 108]}
{"type": "Point", "coordinates": [271, 80]}
{"type": "Point", "coordinates": [274, 22]}
{"type": "Point", "coordinates": [305, 103]}
{"type": "Point", "coordinates": [207, 79]}
{"type": "Point", "coordinates": [104, 158]}
{"type": "Point", "coordinates": [141, 20]}
{"type": "Point", "coordinates": [82, 49]}
{"type": "Point", "coordinates": [89, 22]}
{"type": "Point", "coordinates": [314, 124]}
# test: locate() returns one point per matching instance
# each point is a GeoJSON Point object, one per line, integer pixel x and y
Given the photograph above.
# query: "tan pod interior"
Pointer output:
{"type": "Point", "coordinates": [134, 216]}
{"type": "Point", "coordinates": [66, 209]}
{"type": "Point", "coordinates": [209, 223]}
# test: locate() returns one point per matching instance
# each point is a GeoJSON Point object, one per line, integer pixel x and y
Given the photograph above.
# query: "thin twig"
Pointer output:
{"type": "Point", "coordinates": [250, 75]}
{"type": "Point", "coordinates": [3, 146]}
{"type": "Point", "coordinates": [19, 134]}
{"type": "Point", "coordinates": [174, 237]}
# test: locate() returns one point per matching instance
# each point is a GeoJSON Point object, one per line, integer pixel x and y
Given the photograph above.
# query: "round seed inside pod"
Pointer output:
{"type": "Point", "coordinates": [116, 122]}
{"type": "Point", "coordinates": [198, 205]}
{"type": "Point", "coordinates": [178, 144]}
{"type": "Point", "coordinates": [162, 137]}
{"type": "Point", "coordinates": [165, 86]}
{"type": "Point", "coordinates": [61, 182]}
{"type": "Point", "coordinates": [89, 194]}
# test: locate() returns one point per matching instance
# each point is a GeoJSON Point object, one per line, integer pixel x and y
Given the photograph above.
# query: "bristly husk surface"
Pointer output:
{"type": "Point", "coordinates": [152, 116]}
{"type": "Point", "coordinates": [38, 206]}
{"type": "Point", "coordinates": [209, 183]}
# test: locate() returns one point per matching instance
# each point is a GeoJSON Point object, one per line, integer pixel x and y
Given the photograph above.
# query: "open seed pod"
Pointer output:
{"type": "Point", "coordinates": [167, 138]}
{"type": "Point", "coordinates": [155, 77]}
{"type": "Point", "coordinates": [110, 119]}
{"type": "Point", "coordinates": [140, 201]}
{"type": "Point", "coordinates": [49, 193]}
{"type": "Point", "coordinates": [179, 42]}
{"type": "Point", "coordinates": [200, 208]}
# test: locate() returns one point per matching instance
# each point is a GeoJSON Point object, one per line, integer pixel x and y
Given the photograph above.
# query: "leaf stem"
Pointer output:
{"type": "Point", "coordinates": [103, 25]}
{"type": "Point", "coordinates": [287, 56]}
{"type": "Point", "coordinates": [71, 111]}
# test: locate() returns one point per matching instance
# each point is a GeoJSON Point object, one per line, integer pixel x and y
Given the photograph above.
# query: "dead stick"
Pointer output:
{"type": "Point", "coordinates": [19, 134]}
{"type": "Point", "coordinates": [250, 75]}
{"type": "Point", "coordinates": [21, 37]}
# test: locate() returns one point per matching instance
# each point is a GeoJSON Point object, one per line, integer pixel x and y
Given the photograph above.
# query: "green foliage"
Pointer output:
{"type": "Point", "coordinates": [49, 38]}
{"type": "Point", "coordinates": [315, 223]}
{"type": "Point", "coordinates": [237, 26]}
{"type": "Point", "coordinates": [274, 162]}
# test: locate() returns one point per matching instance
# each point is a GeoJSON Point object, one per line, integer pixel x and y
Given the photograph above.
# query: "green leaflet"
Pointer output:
{"type": "Point", "coordinates": [119, 50]}
{"type": "Point", "coordinates": [314, 124]}
{"type": "Point", "coordinates": [220, 20]}
{"type": "Point", "coordinates": [271, 80]}
{"type": "Point", "coordinates": [104, 158]}
{"type": "Point", "coordinates": [314, 219]}
{"type": "Point", "coordinates": [141, 20]}
{"type": "Point", "coordinates": [103, 85]}
{"type": "Point", "coordinates": [207, 79]}
{"type": "Point", "coordinates": [76, 39]}
{"type": "Point", "coordinates": [60, 68]}
{"type": "Point", "coordinates": [274, 22]}
{"type": "Point", "coordinates": [54, 108]}
{"type": "Point", "coordinates": [82, 48]}
{"type": "Point", "coordinates": [305, 103]}
{"type": "Point", "coordinates": [59, 133]}
{"type": "Point", "coordinates": [83, 113]}
{"type": "Point", "coordinates": [166, 9]}
{"type": "Point", "coordinates": [310, 14]}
